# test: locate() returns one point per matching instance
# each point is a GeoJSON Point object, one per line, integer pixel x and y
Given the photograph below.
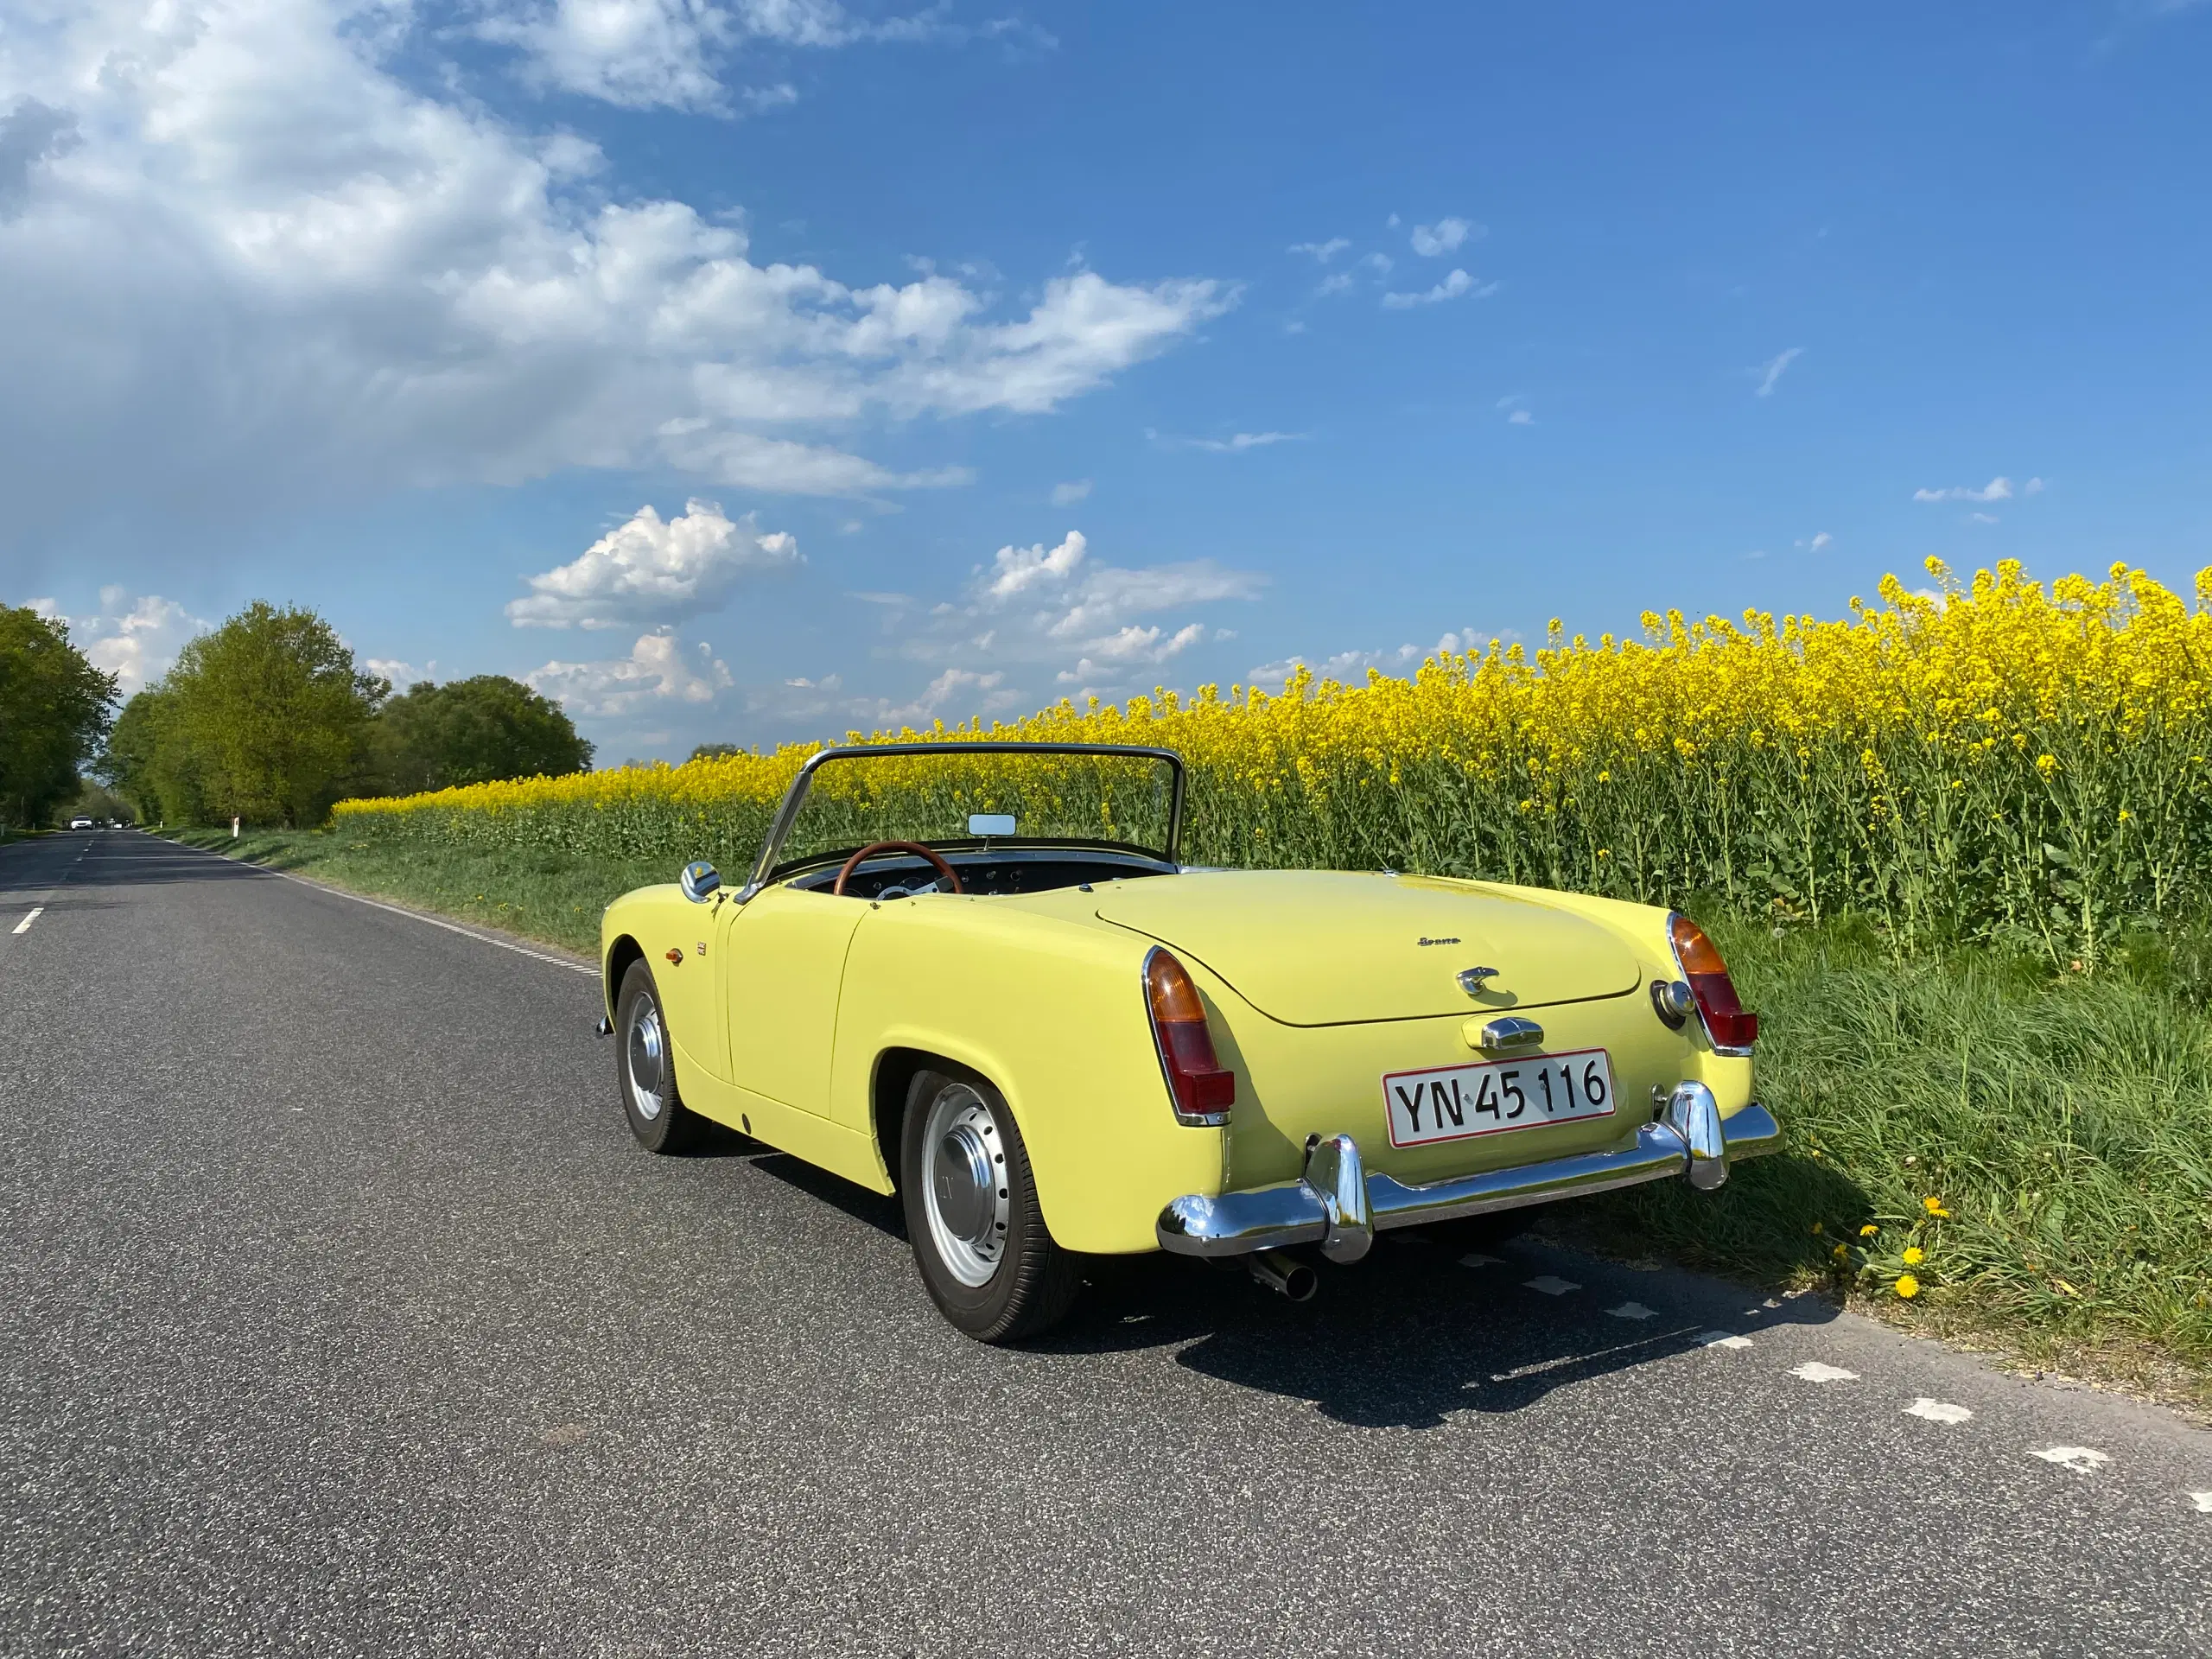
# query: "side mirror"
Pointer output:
{"type": "Point", "coordinates": [699, 879]}
{"type": "Point", "coordinates": [988, 824]}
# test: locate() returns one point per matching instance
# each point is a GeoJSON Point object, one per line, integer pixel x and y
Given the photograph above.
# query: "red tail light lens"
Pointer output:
{"type": "Point", "coordinates": [1203, 1092]}
{"type": "Point", "coordinates": [1732, 1027]}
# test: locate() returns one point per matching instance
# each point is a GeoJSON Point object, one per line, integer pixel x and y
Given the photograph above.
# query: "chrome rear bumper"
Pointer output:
{"type": "Point", "coordinates": [1338, 1206]}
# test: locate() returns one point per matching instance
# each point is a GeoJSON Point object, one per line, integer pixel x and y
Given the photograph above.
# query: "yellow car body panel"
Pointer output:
{"type": "Point", "coordinates": [1317, 984]}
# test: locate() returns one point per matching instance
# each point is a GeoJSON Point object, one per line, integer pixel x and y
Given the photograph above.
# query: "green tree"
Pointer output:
{"type": "Point", "coordinates": [472, 731]}
{"type": "Point", "coordinates": [53, 711]}
{"type": "Point", "coordinates": [719, 751]}
{"type": "Point", "coordinates": [151, 765]}
{"type": "Point", "coordinates": [268, 716]}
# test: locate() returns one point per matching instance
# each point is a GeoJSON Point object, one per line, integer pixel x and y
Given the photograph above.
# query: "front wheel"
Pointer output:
{"type": "Point", "coordinates": [645, 1067]}
{"type": "Point", "coordinates": [979, 1236]}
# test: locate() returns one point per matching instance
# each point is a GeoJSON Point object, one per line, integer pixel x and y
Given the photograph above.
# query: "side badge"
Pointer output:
{"type": "Point", "coordinates": [702, 947]}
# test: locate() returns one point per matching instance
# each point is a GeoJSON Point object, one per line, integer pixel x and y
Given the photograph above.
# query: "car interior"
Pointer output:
{"type": "Point", "coordinates": [994, 871]}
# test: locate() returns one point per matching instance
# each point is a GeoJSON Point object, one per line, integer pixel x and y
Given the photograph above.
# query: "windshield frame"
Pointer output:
{"type": "Point", "coordinates": [765, 868]}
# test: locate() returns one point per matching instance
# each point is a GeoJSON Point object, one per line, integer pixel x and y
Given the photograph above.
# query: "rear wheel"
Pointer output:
{"type": "Point", "coordinates": [979, 1237]}
{"type": "Point", "coordinates": [645, 1067]}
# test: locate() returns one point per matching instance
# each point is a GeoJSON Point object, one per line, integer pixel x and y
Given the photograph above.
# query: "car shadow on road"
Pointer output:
{"type": "Point", "coordinates": [1411, 1336]}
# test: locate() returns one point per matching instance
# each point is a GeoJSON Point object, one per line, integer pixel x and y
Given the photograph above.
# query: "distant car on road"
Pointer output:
{"type": "Point", "coordinates": [80, 822]}
{"type": "Point", "coordinates": [1066, 1041]}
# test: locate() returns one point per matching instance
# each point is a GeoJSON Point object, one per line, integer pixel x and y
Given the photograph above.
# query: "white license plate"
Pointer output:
{"type": "Point", "coordinates": [1453, 1102]}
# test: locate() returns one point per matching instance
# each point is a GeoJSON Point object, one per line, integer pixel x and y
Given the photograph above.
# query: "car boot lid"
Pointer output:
{"type": "Point", "coordinates": [1318, 948]}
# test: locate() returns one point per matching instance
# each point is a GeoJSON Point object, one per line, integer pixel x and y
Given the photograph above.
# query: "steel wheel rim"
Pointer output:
{"type": "Point", "coordinates": [646, 1058]}
{"type": "Point", "coordinates": [964, 1191]}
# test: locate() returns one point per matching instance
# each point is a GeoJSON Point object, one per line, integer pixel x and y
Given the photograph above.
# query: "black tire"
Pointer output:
{"type": "Point", "coordinates": [656, 1111]}
{"type": "Point", "coordinates": [1033, 1282]}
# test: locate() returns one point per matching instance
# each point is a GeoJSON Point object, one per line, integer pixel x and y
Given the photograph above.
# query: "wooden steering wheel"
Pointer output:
{"type": "Point", "coordinates": [845, 874]}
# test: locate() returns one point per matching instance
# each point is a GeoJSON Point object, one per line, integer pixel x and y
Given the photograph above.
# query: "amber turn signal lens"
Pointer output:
{"type": "Point", "coordinates": [1731, 1026]}
{"type": "Point", "coordinates": [1204, 1092]}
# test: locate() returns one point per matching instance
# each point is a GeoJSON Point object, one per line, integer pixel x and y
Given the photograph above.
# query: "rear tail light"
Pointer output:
{"type": "Point", "coordinates": [1203, 1091]}
{"type": "Point", "coordinates": [1732, 1027]}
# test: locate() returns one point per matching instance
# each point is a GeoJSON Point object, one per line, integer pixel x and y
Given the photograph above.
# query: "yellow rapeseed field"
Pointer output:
{"type": "Point", "coordinates": [1997, 758]}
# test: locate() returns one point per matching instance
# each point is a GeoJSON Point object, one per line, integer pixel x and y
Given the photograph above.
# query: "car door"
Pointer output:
{"type": "Point", "coordinates": [783, 962]}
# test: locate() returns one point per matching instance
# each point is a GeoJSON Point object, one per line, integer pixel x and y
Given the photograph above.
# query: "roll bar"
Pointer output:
{"type": "Point", "coordinates": [788, 812]}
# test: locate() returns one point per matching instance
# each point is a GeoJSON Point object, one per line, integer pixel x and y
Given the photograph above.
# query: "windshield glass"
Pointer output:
{"type": "Point", "coordinates": [948, 798]}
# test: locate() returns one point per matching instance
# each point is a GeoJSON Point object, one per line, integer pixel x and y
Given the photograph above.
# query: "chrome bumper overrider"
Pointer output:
{"type": "Point", "coordinates": [1338, 1206]}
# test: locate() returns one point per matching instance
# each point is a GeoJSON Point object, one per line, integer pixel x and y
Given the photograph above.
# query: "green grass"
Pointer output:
{"type": "Point", "coordinates": [541, 894]}
{"type": "Point", "coordinates": [2065, 1123]}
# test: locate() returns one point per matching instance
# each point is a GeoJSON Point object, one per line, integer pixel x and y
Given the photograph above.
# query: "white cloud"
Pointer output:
{"type": "Point", "coordinates": [1240, 442]}
{"type": "Point", "coordinates": [1821, 539]}
{"type": "Point", "coordinates": [658, 670]}
{"type": "Point", "coordinates": [1981, 518]}
{"type": "Point", "coordinates": [1521, 417]}
{"type": "Point", "coordinates": [1016, 569]}
{"type": "Point", "coordinates": [1352, 665]}
{"type": "Point", "coordinates": [401, 674]}
{"type": "Point", "coordinates": [1998, 489]}
{"type": "Point", "coordinates": [133, 638]}
{"type": "Point", "coordinates": [1441, 238]}
{"type": "Point", "coordinates": [1451, 288]}
{"type": "Point", "coordinates": [271, 266]}
{"type": "Point", "coordinates": [1769, 372]}
{"type": "Point", "coordinates": [1067, 494]}
{"type": "Point", "coordinates": [1323, 252]}
{"type": "Point", "coordinates": [960, 693]}
{"type": "Point", "coordinates": [672, 54]}
{"type": "Point", "coordinates": [652, 570]}
{"type": "Point", "coordinates": [1339, 283]}
{"type": "Point", "coordinates": [1380, 263]}
{"type": "Point", "coordinates": [2033, 486]}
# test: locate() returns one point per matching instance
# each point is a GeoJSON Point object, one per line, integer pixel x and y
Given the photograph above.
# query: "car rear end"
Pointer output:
{"type": "Point", "coordinates": [1390, 1051]}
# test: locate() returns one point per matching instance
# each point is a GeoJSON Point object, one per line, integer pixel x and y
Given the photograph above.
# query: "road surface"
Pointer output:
{"type": "Point", "coordinates": [339, 1314]}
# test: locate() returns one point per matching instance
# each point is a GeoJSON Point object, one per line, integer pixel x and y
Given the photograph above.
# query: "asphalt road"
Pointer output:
{"type": "Point", "coordinates": [339, 1314]}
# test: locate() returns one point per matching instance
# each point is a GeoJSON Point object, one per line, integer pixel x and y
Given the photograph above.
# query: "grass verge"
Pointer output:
{"type": "Point", "coordinates": [2063, 1126]}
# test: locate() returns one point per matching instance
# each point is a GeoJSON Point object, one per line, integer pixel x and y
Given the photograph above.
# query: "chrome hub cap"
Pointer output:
{"type": "Point", "coordinates": [647, 1047]}
{"type": "Point", "coordinates": [963, 1184]}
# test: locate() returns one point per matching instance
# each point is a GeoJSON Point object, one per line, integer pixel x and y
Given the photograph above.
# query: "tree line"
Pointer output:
{"type": "Point", "coordinates": [268, 718]}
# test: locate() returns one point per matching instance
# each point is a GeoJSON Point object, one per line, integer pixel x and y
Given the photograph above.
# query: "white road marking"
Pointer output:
{"type": "Point", "coordinates": [2081, 1460]}
{"type": "Point", "coordinates": [412, 915]}
{"type": "Point", "coordinates": [1633, 1311]}
{"type": "Point", "coordinates": [1722, 1339]}
{"type": "Point", "coordinates": [32, 915]}
{"type": "Point", "coordinates": [1814, 1371]}
{"type": "Point", "coordinates": [1476, 1259]}
{"type": "Point", "coordinates": [1552, 1286]}
{"type": "Point", "coordinates": [1937, 1411]}
{"type": "Point", "coordinates": [2203, 1502]}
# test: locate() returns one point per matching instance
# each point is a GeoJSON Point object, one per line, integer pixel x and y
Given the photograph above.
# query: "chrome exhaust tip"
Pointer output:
{"type": "Point", "coordinates": [1286, 1276]}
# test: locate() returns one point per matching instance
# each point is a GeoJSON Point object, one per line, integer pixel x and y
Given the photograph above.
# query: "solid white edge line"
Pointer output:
{"type": "Point", "coordinates": [396, 910]}
{"type": "Point", "coordinates": [24, 927]}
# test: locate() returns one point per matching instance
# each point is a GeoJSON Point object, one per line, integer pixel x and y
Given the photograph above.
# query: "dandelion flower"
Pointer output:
{"type": "Point", "coordinates": [1934, 1207]}
{"type": "Point", "coordinates": [1868, 1230]}
{"type": "Point", "coordinates": [1913, 1256]}
{"type": "Point", "coordinates": [1816, 1228]}
{"type": "Point", "coordinates": [1908, 1286]}
{"type": "Point", "coordinates": [1841, 1253]}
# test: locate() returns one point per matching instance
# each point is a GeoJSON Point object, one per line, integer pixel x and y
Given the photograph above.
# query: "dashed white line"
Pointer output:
{"type": "Point", "coordinates": [1937, 1411]}
{"type": "Point", "coordinates": [1552, 1286]}
{"type": "Point", "coordinates": [2081, 1460]}
{"type": "Point", "coordinates": [32, 915]}
{"type": "Point", "coordinates": [1814, 1371]}
{"type": "Point", "coordinates": [1722, 1339]}
{"type": "Point", "coordinates": [1633, 1311]}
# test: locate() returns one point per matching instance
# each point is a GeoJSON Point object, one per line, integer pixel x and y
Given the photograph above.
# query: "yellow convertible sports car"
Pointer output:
{"type": "Point", "coordinates": [1052, 1038]}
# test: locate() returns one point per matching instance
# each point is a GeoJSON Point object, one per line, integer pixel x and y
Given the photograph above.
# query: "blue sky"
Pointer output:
{"type": "Point", "coordinates": [1015, 353]}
